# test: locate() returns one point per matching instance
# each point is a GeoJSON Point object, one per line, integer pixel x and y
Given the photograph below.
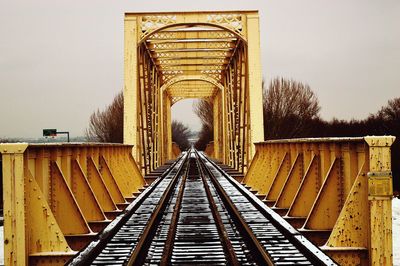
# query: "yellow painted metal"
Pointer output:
{"type": "Point", "coordinates": [179, 55]}
{"type": "Point", "coordinates": [328, 204]}
{"type": "Point", "coordinates": [255, 83]}
{"type": "Point", "coordinates": [99, 187]}
{"type": "Point", "coordinates": [109, 180]}
{"type": "Point", "coordinates": [84, 195]}
{"type": "Point", "coordinates": [278, 182]}
{"type": "Point", "coordinates": [210, 150]}
{"type": "Point", "coordinates": [57, 196]}
{"type": "Point", "coordinates": [217, 125]}
{"type": "Point", "coordinates": [184, 91]}
{"type": "Point", "coordinates": [341, 200]}
{"type": "Point", "coordinates": [380, 193]}
{"type": "Point", "coordinates": [168, 129]}
{"type": "Point", "coordinates": [192, 78]}
{"type": "Point", "coordinates": [175, 150]}
{"type": "Point", "coordinates": [307, 191]}
{"type": "Point", "coordinates": [64, 206]}
{"type": "Point", "coordinates": [13, 206]}
{"type": "Point", "coordinates": [131, 86]}
{"type": "Point", "coordinates": [291, 184]}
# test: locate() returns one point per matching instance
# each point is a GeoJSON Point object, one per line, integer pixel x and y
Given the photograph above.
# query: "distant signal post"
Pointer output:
{"type": "Point", "coordinates": [50, 132]}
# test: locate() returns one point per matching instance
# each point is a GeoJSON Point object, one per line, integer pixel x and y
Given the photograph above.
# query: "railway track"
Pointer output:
{"type": "Point", "coordinates": [197, 214]}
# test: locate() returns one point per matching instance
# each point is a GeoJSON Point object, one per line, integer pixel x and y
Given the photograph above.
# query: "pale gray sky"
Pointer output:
{"type": "Point", "coordinates": [60, 60]}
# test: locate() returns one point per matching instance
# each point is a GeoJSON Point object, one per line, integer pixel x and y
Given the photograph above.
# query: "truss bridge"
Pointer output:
{"type": "Point", "coordinates": [242, 201]}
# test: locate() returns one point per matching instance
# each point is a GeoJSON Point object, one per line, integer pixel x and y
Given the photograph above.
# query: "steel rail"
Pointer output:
{"type": "Point", "coordinates": [227, 245]}
{"type": "Point", "coordinates": [261, 256]}
{"type": "Point", "coordinates": [92, 250]}
{"type": "Point", "coordinates": [312, 252]}
{"type": "Point", "coordinates": [162, 219]}
{"type": "Point", "coordinates": [169, 247]}
{"type": "Point", "coordinates": [139, 253]}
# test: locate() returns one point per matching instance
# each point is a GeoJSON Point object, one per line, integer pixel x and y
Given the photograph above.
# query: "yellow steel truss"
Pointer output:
{"type": "Point", "coordinates": [174, 56]}
{"type": "Point", "coordinates": [336, 191]}
{"type": "Point", "coordinates": [57, 197]}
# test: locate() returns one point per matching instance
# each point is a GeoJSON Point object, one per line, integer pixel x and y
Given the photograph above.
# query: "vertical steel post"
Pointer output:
{"type": "Point", "coordinates": [169, 128]}
{"type": "Point", "coordinates": [224, 118]}
{"type": "Point", "coordinates": [380, 193]}
{"type": "Point", "coordinates": [130, 84]}
{"type": "Point", "coordinates": [216, 121]}
{"type": "Point", "coordinates": [255, 82]}
{"type": "Point", "coordinates": [14, 203]}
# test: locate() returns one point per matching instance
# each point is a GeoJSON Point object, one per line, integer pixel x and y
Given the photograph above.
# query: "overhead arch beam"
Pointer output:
{"type": "Point", "coordinates": [226, 26]}
{"type": "Point", "coordinates": [181, 78]}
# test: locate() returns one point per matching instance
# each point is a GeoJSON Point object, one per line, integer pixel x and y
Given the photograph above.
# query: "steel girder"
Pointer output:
{"type": "Point", "coordinates": [175, 56]}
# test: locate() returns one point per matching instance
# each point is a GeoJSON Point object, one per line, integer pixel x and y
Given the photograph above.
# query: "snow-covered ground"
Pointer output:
{"type": "Point", "coordinates": [396, 231]}
{"type": "Point", "coordinates": [1, 245]}
{"type": "Point", "coordinates": [396, 234]}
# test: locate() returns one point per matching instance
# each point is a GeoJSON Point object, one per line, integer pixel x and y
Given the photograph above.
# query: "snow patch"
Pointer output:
{"type": "Point", "coordinates": [396, 231]}
{"type": "Point", "coordinates": [1, 245]}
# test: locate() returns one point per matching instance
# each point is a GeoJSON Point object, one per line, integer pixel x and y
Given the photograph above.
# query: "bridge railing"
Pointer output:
{"type": "Point", "coordinates": [58, 196]}
{"type": "Point", "coordinates": [336, 191]}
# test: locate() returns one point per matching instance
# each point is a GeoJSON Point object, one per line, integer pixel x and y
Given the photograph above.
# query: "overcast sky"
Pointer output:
{"type": "Point", "coordinates": [60, 60]}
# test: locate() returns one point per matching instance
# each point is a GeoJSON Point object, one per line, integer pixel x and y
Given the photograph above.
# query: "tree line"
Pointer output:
{"type": "Point", "coordinates": [292, 110]}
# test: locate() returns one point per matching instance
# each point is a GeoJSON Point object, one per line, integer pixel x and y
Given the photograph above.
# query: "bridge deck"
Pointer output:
{"type": "Point", "coordinates": [195, 213]}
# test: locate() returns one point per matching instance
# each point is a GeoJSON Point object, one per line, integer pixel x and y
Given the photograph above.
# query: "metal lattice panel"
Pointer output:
{"type": "Point", "coordinates": [195, 55]}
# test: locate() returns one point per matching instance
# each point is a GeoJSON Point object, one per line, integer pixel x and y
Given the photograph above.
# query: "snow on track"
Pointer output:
{"type": "Point", "coordinates": [396, 234]}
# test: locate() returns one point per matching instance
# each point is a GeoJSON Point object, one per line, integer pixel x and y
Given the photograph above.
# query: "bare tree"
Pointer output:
{"type": "Point", "coordinates": [204, 110]}
{"type": "Point", "coordinates": [289, 107]}
{"type": "Point", "coordinates": [390, 116]}
{"type": "Point", "coordinates": [107, 125]}
{"type": "Point", "coordinates": [180, 135]}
